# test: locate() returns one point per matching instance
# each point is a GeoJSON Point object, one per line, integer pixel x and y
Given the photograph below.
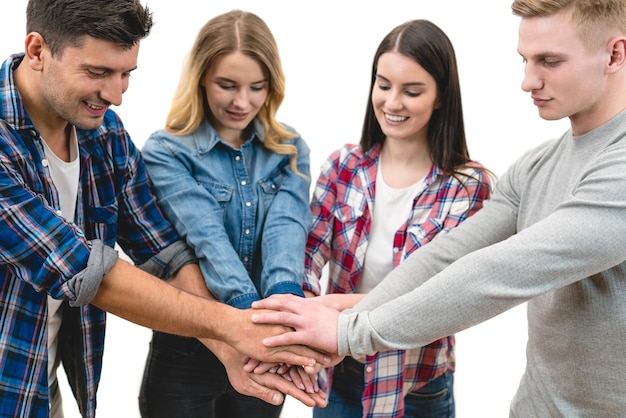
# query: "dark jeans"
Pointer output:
{"type": "Point", "coordinates": [184, 379]}
{"type": "Point", "coordinates": [435, 400]}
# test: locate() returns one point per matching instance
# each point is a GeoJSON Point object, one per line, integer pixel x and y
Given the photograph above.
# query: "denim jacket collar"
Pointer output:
{"type": "Point", "coordinates": [206, 137]}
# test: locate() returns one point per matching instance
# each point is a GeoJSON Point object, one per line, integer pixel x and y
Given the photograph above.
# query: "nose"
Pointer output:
{"type": "Point", "coordinates": [532, 80]}
{"type": "Point", "coordinates": [240, 99]}
{"type": "Point", "coordinates": [393, 101]}
{"type": "Point", "coordinates": [113, 89]}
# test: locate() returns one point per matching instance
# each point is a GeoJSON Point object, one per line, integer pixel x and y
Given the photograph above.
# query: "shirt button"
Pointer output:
{"type": "Point", "coordinates": [248, 204]}
{"type": "Point", "coordinates": [238, 158]}
{"type": "Point", "coordinates": [395, 250]}
{"type": "Point", "coordinates": [59, 213]}
{"type": "Point", "coordinates": [368, 369]}
{"type": "Point", "coordinates": [273, 186]}
{"type": "Point", "coordinates": [243, 183]}
{"type": "Point", "coordinates": [44, 162]}
{"type": "Point", "coordinates": [245, 259]}
{"type": "Point", "coordinates": [247, 231]}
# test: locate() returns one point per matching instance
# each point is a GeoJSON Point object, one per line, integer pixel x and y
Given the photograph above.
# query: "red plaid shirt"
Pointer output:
{"type": "Point", "coordinates": [341, 206]}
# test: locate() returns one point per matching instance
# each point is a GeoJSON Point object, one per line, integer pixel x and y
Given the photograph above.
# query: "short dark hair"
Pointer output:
{"type": "Point", "coordinates": [67, 22]}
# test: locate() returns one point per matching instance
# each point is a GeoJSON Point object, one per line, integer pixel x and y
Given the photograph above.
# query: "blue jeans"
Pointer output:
{"type": "Point", "coordinates": [184, 379]}
{"type": "Point", "coordinates": [435, 400]}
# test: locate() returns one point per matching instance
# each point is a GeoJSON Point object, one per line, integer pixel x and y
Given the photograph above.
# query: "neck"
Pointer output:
{"type": "Point", "coordinates": [406, 153]}
{"type": "Point", "coordinates": [52, 128]}
{"type": "Point", "coordinates": [404, 163]}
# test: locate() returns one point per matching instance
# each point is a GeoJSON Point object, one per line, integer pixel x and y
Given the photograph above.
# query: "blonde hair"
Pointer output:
{"type": "Point", "coordinates": [597, 20]}
{"type": "Point", "coordinates": [235, 31]}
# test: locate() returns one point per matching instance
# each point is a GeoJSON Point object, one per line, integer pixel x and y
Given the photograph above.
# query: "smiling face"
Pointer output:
{"type": "Point", "coordinates": [79, 84]}
{"type": "Point", "coordinates": [236, 87]}
{"type": "Point", "coordinates": [404, 97]}
{"type": "Point", "coordinates": [563, 76]}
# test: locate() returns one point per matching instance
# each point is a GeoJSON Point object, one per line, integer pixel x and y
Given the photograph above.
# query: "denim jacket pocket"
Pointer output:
{"type": "Point", "coordinates": [271, 185]}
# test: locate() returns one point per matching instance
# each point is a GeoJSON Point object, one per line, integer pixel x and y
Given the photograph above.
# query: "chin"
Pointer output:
{"type": "Point", "coordinates": [550, 115]}
{"type": "Point", "coordinates": [88, 125]}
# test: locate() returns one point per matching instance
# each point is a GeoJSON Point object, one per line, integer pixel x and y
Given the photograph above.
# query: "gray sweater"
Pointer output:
{"type": "Point", "coordinates": [553, 234]}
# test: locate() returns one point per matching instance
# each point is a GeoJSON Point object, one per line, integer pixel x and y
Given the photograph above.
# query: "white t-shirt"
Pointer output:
{"type": "Point", "coordinates": [392, 208]}
{"type": "Point", "coordinates": [65, 176]}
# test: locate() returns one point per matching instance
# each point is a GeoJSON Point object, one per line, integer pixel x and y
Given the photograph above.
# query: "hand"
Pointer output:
{"type": "Point", "coordinates": [315, 324]}
{"type": "Point", "coordinates": [236, 323]}
{"type": "Point", "coordinates": [267, 386]}
{"type": "Point", "coordinates": [299, 375]}
{"type": "Point", "coordinates": [252, 345]}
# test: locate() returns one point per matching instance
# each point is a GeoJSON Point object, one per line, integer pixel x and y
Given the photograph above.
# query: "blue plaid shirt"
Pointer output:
{"type": "Point", "coordinates": [40, 251]}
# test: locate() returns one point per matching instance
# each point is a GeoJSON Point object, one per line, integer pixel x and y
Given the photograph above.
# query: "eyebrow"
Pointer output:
{"type": "Point", "coordinates": [542, 55]}
{"type": "Point", "coordinates": [414, 83]}
{"type": "Point", "coordinates": [107, 69]}
{"type": "Point", "coordinates": [228, 80]}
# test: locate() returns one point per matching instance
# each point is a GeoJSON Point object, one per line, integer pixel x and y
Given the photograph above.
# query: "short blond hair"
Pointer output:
{"type": "Point", "coordinates": [597, 20]}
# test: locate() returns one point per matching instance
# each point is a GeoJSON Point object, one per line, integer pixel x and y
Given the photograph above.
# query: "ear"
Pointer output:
{"type": "Point", "coordinates": [617, 48]}
{"type": "Point", "coordinates": [34, 47]}
{"type": "Point", "coordinates": [437, 104]}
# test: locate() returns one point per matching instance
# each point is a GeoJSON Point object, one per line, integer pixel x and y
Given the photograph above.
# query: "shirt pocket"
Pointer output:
{"type": "Point", "coordinates": [222, 193]}
{"type": "Point", "coordinates": [270, 186]}
{"type": "Point", "coordinates": [103, 221]}
{"type": "Point", "coordinates": [351, 208]}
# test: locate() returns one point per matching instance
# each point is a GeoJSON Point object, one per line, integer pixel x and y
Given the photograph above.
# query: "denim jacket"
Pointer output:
{"type": "Point", "coordinates": [243, 211]}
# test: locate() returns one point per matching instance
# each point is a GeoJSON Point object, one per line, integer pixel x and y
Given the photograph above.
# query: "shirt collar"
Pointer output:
{"type": "Point", "coordinates": [207, 137]}
{"type": "Point", "coordinates": [13, 112]}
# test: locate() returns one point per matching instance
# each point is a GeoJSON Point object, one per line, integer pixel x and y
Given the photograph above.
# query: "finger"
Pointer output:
{"type": "Point", "coordinates": [277, 318]}
{"type": "Point", "coordinates": [268, 393]}
{"type": "Point", "coordinates": [296, 378]}
{"type": "Point", "coordinates": [312, 369]}
{"type": "Point", "coordinates": [276, 382]}
{"type": "Point", "coordinates": [309, 381]}
{"type": "Point", "coordinates": [287, 339]}
{"type": "Point", "coordinates": [299, 354]}
{"type": "Point", "coordinates": [320, 398]}
{"type": "Point", "coordinates": [279, 302]}
{"type": "Point", "coordinates": [265, 366]}
{"type": "Point", "coordinates": [251, 364]}
{"type": "Point", "coordinates": [284, 368]}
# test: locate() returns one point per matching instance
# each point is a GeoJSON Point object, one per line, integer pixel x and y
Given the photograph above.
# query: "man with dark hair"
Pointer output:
{"type": "Point", "coordinates": [72, 185]}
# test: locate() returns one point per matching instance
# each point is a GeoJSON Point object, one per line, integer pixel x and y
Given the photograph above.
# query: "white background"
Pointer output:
{"type": "Point", "coordinates": [327, 48]}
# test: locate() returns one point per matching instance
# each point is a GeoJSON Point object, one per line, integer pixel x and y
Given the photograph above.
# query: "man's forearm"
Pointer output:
{"type": "Point", "coordinates": [135, 295]}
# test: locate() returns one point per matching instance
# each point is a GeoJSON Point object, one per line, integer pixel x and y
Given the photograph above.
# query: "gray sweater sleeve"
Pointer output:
{"type": "Point", "coordinates": [502, 256]}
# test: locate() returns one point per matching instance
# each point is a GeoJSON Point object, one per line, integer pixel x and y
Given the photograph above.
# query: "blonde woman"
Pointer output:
{"type": "Point", "coordinates": [235, 184]}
